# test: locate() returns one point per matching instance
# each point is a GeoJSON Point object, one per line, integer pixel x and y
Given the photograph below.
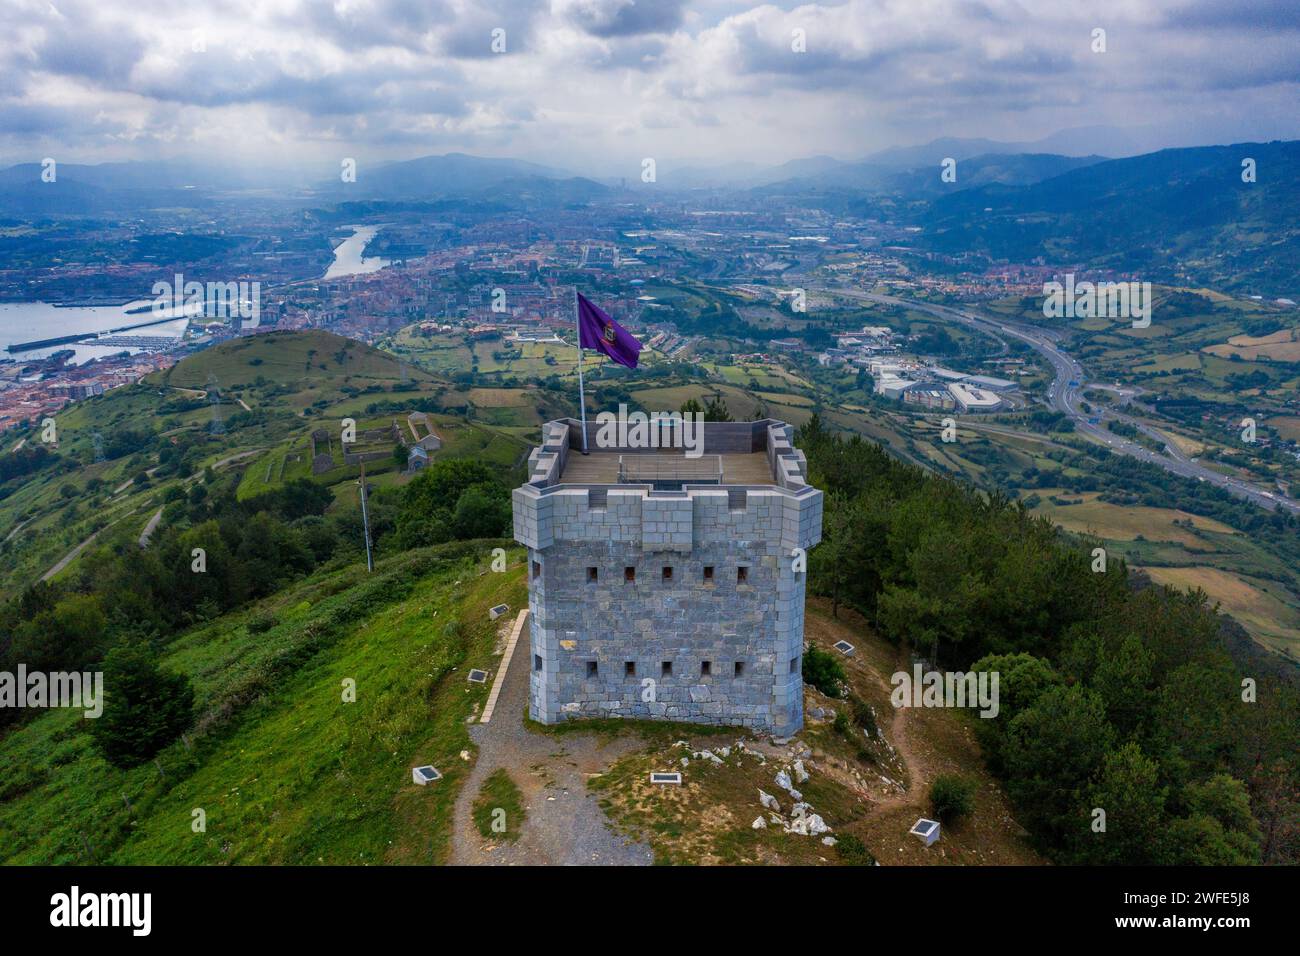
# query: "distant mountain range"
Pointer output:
{"type": "Point", "coordinates": [872, 171]}
{"type": "Point", "coordinates": [1178, 211]}
{"type": "Point", "coordinates": [93, 190]}
{"type": "Point", "coordinates": [1175, 214]}
{"type": "Point", "coordinates": [920, 182]}
{"type": "Point", "coordinates": [130, 188]}
{"type": "Point", "coordinates": [461, 175]}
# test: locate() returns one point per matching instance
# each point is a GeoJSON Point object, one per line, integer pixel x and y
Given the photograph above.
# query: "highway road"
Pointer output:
{"type": "Point", "coordinates": [1064, 396]}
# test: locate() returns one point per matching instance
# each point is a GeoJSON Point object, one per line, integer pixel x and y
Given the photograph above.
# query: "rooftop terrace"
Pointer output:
{"type": "Point", "coordinates": [661, 466]}
{"type": "Point", "coordinates": [730, 454]}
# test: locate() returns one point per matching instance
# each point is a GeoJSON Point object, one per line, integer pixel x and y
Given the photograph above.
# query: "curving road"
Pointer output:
{"type": "Point", "coordinates": [1064, 396]}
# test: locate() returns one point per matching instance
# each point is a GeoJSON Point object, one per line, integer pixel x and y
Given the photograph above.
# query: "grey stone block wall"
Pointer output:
{"type": "Point", "coordinates": [600, 642]}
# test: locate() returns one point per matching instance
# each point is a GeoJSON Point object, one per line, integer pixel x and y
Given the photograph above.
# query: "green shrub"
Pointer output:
{"type": "Point", "coordinates": [261, 623]}
{"type": "Point", "coordinates": [853, 851]}
{"type": "Point", "coordinates": [862, 715]}
{"type": "Point", "coordinates": [145, 708]}
{"type": "Point", "coordinates": [951, 797]}
{"type": "Point", "coordinates": [822, 671]}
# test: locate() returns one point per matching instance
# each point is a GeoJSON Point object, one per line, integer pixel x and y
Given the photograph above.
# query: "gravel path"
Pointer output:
{"type": "Point", "coordinates": [564, 824]}
{"type": "Point", "coordinates": [64, 561]}
{"type": "Point", "coordinates": [150, 528]}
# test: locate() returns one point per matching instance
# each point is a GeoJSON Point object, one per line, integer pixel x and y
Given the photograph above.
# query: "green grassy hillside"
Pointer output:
{"type": "Point", "coordinates": [251, 404]}
{"type": "Point", "coordinates": [312, 362]}
{"type": "Point", "coordinates": [284, 770]}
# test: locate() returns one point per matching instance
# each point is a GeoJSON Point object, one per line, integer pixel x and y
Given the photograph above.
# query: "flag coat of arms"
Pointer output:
{"type": "Point", "coordinates": [596, 330]}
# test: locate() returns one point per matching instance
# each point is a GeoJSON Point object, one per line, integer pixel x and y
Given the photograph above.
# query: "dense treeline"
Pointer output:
{"type": "Point", "coordinates": [1114, 697]}
{"type": "Point", "coordinates": [25, 461]}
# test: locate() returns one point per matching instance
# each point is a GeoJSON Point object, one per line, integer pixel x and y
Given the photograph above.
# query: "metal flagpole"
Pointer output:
{"type": "Point", "coordinates": [582, 395]}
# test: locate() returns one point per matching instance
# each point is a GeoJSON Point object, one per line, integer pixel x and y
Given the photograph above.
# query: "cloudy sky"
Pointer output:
{"type": "Point", "coordinates": [595, 85]}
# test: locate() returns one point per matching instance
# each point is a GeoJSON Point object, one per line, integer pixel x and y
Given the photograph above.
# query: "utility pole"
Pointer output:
{"type": "Point", "coordinates": [365, 519]}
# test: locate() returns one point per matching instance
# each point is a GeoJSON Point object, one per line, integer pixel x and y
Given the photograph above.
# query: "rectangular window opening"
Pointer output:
{"type": "Point", "coordinates": [593, 575]}
{"type": "Point", "coordinates": [592, 669]}
{"type": "Point", "coordinates": [740, 668]}
{"type": "Point", "coordinates": [742, 574]}
{"type": "Point", "coordinates": [537, 662]}
{"type": "Point", "coordinates": [706, 668]}
{"type": "Point", "coordinates": [668, 574]}
{"type": "Point", "coordinates": [629, 575]}
{"type": "Point", "coordinates": [708, 573]}
{"type": "Point", "coordinates": [629, 668]}
{"type": "Point", "coordinates": [537, 570]}
{"type": "Point", "coordinates": [667, 669]}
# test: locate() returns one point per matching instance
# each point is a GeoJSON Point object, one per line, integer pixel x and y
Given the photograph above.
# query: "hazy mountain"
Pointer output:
{"type": "Point", "coordinates": [706, 177]}
{"type": "Point", "coordinates": [1081, 141]}
{"type": "Point", "coordinates": [1177, 210]}
{"type": "Point", "coordinates": [434, 176]}
{"type": "Point", "coordinates": [921, 182]}
{"type": "Point", "coordinates": [537, 191]}
{"type": "Point", "coordinates": [168, 174]}
{"type": "Point", "coordinates": [90, 190]}
{"type": "Point", "coordinates": [21, 196]}
{"type": "Point", "coordinates": [134, 187]}
{"type": "Point", "coordinates": [1021, 169]}
{"type": "Point", "coordinates": [936, 151]}
{"type": "Point", "coordinates": [744, 174]}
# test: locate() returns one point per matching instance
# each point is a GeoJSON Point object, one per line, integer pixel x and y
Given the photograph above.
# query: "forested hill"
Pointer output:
{"type": "Point", "coordinates": [1176, 211]}
{"type": "Point", "coordinates": [1113, 696]}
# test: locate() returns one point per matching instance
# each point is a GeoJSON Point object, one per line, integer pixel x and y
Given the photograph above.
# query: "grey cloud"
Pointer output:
{"type": "Point", "coordinates": [21, 122]}
{"type": "Point", "coordinates": [388, 72]}
{"type": "Point", "coordinates": [208, 80]}
{"type": "Point", "coordinates": [1248, 15]}
{"type": "Point", "coordinates": [471, 36]}
{"type": "Point", "coordinates": [89, 49]}
{"type": "Point", "coordinates": [399, 23]}
{"type": "Point", "coordinates": [621, 18]}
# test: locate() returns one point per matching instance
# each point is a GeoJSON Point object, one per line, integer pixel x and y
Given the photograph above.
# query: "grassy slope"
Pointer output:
{"type": "Point", "coordinates": [499, 802]}
{"type": "Point", "coordinates": [46, 525]}
{"type": "Point", "coordinates": [285, 771]}
{"type": "Point", "coordinates": [313, 359]}
{"type": "Point", "coordinates": [291, 458]}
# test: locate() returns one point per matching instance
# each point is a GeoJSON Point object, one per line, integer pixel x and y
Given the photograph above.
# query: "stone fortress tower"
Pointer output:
{"type": "Point", "coordinates": [668, 587]}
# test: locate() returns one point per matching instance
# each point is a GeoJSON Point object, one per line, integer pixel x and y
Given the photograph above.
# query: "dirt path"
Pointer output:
{"type": "Point", "coordinates": [927, 742]}
{"type": "Point", "coordinates": [19, 527]}
{"type": "Point", "coordinates": [872, 665]}
{"type": "Point", "coordinates": [920, 771]}
{"type": "Point", "coordinates": [64, 561]}
{"type": "Point", "coordinates": [150, 527]}
{"type": "Point", "coordinates": [564, 824]}
{"type": "Point", "coordinates": [198, 475]}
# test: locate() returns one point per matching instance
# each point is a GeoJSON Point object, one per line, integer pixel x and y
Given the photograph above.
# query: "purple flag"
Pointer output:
{"type": "Point", "coordinates": [596, 330]}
